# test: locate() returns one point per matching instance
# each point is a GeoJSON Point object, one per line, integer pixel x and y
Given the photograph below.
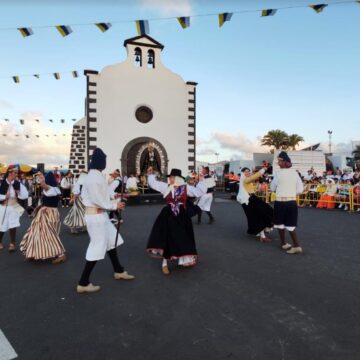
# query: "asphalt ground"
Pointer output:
{"type": "Point", "coordinates": [244, 299]}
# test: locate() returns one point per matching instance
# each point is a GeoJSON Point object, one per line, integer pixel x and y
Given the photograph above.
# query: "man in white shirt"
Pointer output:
{"type": "Point", "coordinates": [132, 183]}
{"type": "Point", "coordinates": [287, 184]}
{"type": "Point", "coordinates": [104, 237]}
{"type": "Point", "coordinates": [66, 184]}
{"type": "Point", "coordinates": [10, 211]}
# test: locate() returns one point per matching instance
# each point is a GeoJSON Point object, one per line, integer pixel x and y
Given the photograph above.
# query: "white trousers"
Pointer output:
{"type": "Point", "coordinates": [102, 236]}
{"type": "Point", "coordinates": [9, 217]}
{"type": "Point", "coordinates": [205, 202]}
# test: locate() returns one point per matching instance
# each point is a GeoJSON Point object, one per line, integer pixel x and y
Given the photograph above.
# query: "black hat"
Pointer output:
{"type": "Point", "coordinates": [284, 156]}
{"type": "Point", "coordinates": [50, 179]}
{"type": "Point", "coordinates": [175, 172]}
{"type": "Point", "coordinates": [98, 160]}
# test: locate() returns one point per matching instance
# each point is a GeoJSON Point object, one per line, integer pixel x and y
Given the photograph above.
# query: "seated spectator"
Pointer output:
{"type": "Point", "coordinates": [343, 194]}
{"type": "Point", "coordinates": [327, 200]}
{"type": "Point", "coordinates": [356, 194]}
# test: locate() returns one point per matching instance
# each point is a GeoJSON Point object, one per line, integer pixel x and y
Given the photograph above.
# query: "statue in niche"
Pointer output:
{"type": "Point", "coordinates": [150, 159]}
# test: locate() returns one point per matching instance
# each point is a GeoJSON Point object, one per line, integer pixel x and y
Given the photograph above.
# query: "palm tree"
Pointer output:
{"type": "Point", "coordinates": [294, 141]}
{"type": "Point", "coordinates": [277, 138]}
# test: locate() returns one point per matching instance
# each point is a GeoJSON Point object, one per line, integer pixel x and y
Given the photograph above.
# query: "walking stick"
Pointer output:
{"type": "Point", "coordinates": [2, 222]}
{"type": "Point", "coordinates": [118, 215]}
{"type": "Point", "coordinates": [6, 206]}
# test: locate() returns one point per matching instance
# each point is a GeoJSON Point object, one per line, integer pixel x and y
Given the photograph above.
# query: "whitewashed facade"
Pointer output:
{"type": "Point", "coordinates": [137, 102]}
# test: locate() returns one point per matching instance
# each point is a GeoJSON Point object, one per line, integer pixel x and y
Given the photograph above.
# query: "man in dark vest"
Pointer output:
{"type": "Point", "coordinates": [10, 211]}
{"type": "Point", "coordinates": [115, 187]}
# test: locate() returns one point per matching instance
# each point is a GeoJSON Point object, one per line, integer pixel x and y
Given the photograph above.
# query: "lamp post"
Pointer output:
{"type": "Point", "coordinates": [217, 157]}
{"type": "Point", "coordinates": [330, 133]}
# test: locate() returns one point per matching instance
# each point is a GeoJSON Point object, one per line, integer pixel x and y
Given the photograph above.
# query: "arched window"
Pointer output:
{"type": "Point", "coordinates": [138, 57]}
{"type": "Point", "coordinates": [151, 59]}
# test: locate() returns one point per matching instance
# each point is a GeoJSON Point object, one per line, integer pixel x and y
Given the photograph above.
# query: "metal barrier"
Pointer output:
{"type": "Point", "coordinates": [315, 195]}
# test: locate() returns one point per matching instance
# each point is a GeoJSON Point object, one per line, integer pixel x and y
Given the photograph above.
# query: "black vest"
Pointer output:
{"type": "Point", "coordinates": [118, 188]}
{"type": "Point", "coordinates": [50, 201]}
{"type": "Point", "coordinates": [4, 186]}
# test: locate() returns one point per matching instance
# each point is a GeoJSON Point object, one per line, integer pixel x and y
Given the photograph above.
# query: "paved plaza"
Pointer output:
{"type": "Point", "coordinates": [244, 300]}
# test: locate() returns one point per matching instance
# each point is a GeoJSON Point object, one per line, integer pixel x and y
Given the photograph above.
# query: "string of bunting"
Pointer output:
{"type": "Point", "coordinates": [35, 136]}
{"type": "Point", "coordinates": [56, 75]}
{"type": "Point", "coordinates": [22, 121]}
{"type": "Point", "coordinates": [143, 28]}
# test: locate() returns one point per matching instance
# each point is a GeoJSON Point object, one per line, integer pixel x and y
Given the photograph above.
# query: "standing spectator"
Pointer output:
{"type": "Point", "coordinates": [66, 184]}
{"type": "Point", "coordinates": [57, 175]}
{"type": "Point", "coordinates": [132, 183]}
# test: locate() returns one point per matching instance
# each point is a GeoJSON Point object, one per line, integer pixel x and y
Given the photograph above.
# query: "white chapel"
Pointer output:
{"type": "Point", "coordinates": [136, 110]}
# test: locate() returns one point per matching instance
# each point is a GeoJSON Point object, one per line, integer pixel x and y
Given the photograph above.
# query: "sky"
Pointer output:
{"type": "Point", "coordinates": [297, 71]}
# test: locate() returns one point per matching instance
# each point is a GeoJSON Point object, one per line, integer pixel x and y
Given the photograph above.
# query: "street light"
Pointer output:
{"type": "Point", "coordinates": [217, 157]}
{"type": "Point", "coordinates": [330, 133]}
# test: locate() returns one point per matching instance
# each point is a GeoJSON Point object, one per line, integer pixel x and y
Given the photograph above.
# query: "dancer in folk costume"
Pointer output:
{"type": "Point", "coordinates": [103, 235]}
{"type": "Point", "coordinates": [75, 219]}
{"type": "Point", "coordinates": [287, 184]}
{"type": "Point", "coordinates": [258, 213]}
{"type": "Point", "coordinates": [206, 200]}
{"type": "Point", "coordinates": [10, 211]}
{"type": "Point", "coordinates": [41, 241]}
{"type": "Point", "coordinates": [172, 235]}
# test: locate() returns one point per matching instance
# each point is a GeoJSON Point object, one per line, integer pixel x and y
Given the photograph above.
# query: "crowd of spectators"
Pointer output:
{"type": "Point", "coordinates": [330, 190]}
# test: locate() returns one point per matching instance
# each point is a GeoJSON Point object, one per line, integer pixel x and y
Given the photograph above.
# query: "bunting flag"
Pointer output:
{"type": "Point", "coordinates": [22, 121]}
{"type": "Point", "coordinates": [37, 136]}
{"type": "Point", "coordinates": [75, 74]}
{"type": "Point", "coordinates": [57, 76]}
{"type": "Point", "coordinates": [27, 136]}
{"type": "Point", "coordinates": [104, 26]}
{"type": "Point", "coordinates": [224, 17]}
{"type": "Point", "coordinates": [25, 32]}
{"type": "Point", "coordinates": [37, 76]}
{"type": "Point", "coordinates": [184, 21]}
{"type": "Point", "coordinates": [64, 30]}
{"type": "Point", "coordinates": [16, 79]}
{"type": "Point", "coordinates": [318, 8]}
{"type": "Point", "coordinates": [6, 119]}
{"type": "Point", "coordinates": [62, 121]}
{"type": "Point", "coordinates": [51, 120]}
{"type": "Point", "coordinates": [268, 12]}
{"type": "Point", "coordinates": [142, 27]}
{"type": "Point", "coordinates": [37, 120]}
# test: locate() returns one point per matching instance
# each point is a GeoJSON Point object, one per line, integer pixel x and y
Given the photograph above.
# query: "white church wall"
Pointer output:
{"type": "Point", "coordinates": [114, 95]}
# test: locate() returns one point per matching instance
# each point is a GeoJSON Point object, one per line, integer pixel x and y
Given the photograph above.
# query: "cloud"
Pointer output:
{"type": "Point", "coordinates": [205, 151]}
{"type": "Point", "coordinates": [5, 104]}
{"type": "Point", "coordinates": [51, 150]}
{"type": "Point", "coordinates": [340, 148]}
{"type": "Point", "coordinates": [167, 7]}
{"type": "Point", "coordinates": [238, 142]}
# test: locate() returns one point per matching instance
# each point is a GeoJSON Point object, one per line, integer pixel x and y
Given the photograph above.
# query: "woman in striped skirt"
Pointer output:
{"type": "Point", "coordinates": [41, 240]}
{"type": "Point", "coordinates": [75, 219]}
